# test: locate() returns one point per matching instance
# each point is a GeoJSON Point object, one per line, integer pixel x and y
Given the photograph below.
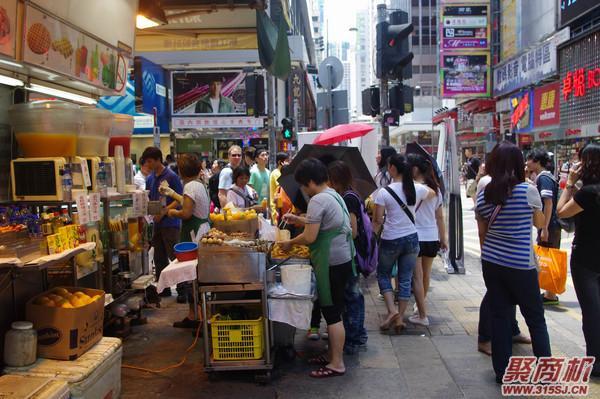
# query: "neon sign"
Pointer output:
{"type": "Point", "coordinates": [580, 81]}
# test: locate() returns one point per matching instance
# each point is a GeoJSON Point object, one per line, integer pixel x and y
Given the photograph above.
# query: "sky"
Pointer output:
{"type": "Point", "coordinates": [341, 15]}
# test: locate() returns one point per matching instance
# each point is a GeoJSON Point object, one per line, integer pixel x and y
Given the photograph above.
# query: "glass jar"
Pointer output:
{"type": "Point", "coordinates": [20, 344]}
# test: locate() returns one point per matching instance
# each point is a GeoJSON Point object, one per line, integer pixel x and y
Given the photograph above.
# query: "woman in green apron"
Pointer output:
{"type": "Point", "coordinates": [194, 204]}
{"type": "Point", "coordinates": [328, 233]}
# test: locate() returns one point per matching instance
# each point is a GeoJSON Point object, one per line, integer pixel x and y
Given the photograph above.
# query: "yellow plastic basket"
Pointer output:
{"type": "Point", "coordinates": [237, 339]}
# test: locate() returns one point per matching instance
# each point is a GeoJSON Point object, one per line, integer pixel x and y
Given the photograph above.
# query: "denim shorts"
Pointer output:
{"type": "Point", "coordinates": [404, 252]}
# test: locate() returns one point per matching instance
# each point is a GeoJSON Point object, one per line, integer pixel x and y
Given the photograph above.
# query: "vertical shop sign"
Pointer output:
{"type": "Point", "coordinates": [546, 103]}
{"type": "Point", "coordinates": [465, 62]}
{"type": "Point", "coordinates": [521, 120]}
{"type": "Point", "coordinates": [465, 27]}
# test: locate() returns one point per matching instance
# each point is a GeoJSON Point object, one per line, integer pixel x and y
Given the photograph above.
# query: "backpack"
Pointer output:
{"type": "Point", "coordinates": [367, 251]}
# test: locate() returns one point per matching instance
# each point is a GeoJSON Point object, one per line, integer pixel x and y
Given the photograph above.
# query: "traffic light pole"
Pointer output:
{"type": "Point", "coordinates": [383, 87]}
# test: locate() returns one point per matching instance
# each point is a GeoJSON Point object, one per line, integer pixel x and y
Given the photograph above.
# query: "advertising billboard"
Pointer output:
{"type": "Point", "coordinates": [208, 93]}
{"type": "Point", "coordinates": [570, 10]}
{"type": "Point", "coordinates": [465, 75]}
{"type": "Point", "coordinates": [510, 28]}
{"type": "Point", "coordinates": [150, 87]}
{"type": "Point", "coordinates": [465, 27]}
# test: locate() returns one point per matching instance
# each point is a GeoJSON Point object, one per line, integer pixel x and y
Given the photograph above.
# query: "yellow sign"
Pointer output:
{"type": "Point", "coordinates": [202, 42]}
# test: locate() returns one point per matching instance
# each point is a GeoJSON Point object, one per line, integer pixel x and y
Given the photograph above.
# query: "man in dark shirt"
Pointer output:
{"type": "Point", "coordinates": [166, 229]}
{"type": "Point", "coordinates": [213, 182]}
{"type": "Point", "coordinates": [549, 236]}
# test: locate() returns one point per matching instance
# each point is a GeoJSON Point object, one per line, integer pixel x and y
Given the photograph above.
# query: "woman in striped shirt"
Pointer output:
{"type": "Point", "coordinates": [506, 211]}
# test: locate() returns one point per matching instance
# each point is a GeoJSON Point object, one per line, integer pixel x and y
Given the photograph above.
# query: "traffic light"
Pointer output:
{"type": "Point", "coordinates": [392, 46]}
{"type": "Point", "coordinates": [370, 101]}
{"type": "Point", "coordinates": [287, 132]}
{"type": "Point", "coordinates": [401, 99]}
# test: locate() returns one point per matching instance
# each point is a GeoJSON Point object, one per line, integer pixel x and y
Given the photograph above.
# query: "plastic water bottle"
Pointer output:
{"type": "Point", "coordinates": [67, 184]}
{"type": "Point", "coordinates": [101, 179]}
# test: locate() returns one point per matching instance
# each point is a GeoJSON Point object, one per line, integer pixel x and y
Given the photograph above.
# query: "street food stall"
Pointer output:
{"type": "Point", "coordinates": [246, 287]}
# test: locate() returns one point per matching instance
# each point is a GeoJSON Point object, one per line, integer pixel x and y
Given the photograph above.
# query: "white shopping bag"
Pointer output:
{"type": "Point", "coordinates": [266, 230]}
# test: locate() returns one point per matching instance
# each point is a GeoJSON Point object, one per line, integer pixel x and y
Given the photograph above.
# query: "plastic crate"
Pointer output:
{"type": "Point", "coordinates": [237, 339]}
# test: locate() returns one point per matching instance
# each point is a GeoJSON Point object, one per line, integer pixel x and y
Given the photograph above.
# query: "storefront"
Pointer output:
{"type": "Point", "coordinates": [476, 126]}
{"type": "Point", "coordinates": [579, 95]}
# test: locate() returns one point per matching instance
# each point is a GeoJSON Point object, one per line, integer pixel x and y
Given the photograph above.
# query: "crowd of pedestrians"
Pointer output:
{"type": "Point", "coordinates": [400, 226]}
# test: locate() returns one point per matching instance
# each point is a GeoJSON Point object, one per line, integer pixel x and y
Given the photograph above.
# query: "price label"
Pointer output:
{"type": "Point", "coordinates": [83, 210]}
{"type": "Point", "coordinates": [138, 203]}
{"type": "Point", "coordinates": [95, 207]}
{"type": "Point", "coordinates": [85, 172]}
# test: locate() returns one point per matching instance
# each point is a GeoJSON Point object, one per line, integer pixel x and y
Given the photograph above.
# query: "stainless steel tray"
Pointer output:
{"type": "Point", "coordinates": [226, 265]}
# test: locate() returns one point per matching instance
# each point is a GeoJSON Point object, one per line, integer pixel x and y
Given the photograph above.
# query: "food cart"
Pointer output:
{"type": "Point", "coordinates": [235, 277]}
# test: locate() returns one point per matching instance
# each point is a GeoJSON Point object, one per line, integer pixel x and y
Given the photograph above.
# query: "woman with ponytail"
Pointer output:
{"type": "Point", "coordinates": [395, 212]}
{"type": "Point", "coordinates": [431, 231]}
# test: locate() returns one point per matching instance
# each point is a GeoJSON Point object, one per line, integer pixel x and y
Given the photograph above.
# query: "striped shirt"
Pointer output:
{"type": "Point", "coordinates": [508, 240]}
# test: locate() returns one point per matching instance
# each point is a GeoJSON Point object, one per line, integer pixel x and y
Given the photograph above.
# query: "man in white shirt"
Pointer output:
{"type": "Point", "coordinates": [226, 175]}
{"type": "Point", "coordinates": [140, 177]}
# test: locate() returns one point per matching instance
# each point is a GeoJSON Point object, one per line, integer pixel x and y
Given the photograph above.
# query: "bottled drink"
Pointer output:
{"type": "Point", "coordinates": [67, 184]}
{"type": "Point", "coordinates": [65, 218]}
{"type": "Point", "coordinates": [101, 179]}
{"type": "Point", "coordinates": [56, 222]}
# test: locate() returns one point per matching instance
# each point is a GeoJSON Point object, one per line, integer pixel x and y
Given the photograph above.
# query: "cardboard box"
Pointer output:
{"type": "Point", "coordinates": [238, 226]}
{"type": "Point", "coordinates": [66, 334]}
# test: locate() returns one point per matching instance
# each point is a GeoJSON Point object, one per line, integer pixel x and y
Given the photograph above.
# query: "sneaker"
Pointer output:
{"type": "Point", "coordinates": [325, 335]}
{"type": "Point", "coordinates": [549, 302]}
{"type": "Point", "coordinates": [415, 319]}
{"type": "Point", "coordinates": [313, 334]}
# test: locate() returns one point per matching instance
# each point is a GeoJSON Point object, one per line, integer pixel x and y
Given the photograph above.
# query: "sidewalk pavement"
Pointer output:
{"type": "Point", "coordinates": [440, 361]}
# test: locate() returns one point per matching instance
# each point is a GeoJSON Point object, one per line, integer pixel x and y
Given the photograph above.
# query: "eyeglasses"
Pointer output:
{"type": "Point", "coordinates": [235, 155]}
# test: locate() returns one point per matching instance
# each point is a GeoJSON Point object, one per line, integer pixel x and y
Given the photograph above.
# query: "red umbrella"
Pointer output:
{"type": "Point", "coordinates": [342, 133]}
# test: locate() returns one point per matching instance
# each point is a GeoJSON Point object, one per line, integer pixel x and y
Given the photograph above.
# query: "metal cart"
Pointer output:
{"type": "Point", "coordinates": [223, 274]}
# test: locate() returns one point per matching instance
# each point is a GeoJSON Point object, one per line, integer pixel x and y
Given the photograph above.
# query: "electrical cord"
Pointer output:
{"type": "Point", "coordinates": [174, 366]}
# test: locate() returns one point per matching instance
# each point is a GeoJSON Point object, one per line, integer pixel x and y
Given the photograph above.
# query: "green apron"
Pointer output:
{"type": "Point", "coordinates": [319, 256]}
{"type": "Point", "coordinates": [189, 225]}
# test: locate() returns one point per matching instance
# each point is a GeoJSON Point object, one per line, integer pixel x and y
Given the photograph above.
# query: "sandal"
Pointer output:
{"type": "Point", "coordinates": [326, 372]}
{"type": "Point", "coordinates": [320, 360]}
{"type": "Point", "coordinates": [388, 323]}
{"type": "Point", "coordinates": [399, 326]}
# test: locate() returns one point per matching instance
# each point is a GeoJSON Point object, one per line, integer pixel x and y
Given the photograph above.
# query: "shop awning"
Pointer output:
{"type": "Point", "coordinates": [439, 118]}
{"type": "Point", "coordinates": [479, 106]}
{"type": "Point", "coordinates": [273, 46]}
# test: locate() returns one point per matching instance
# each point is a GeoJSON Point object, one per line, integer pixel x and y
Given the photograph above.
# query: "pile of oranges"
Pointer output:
{"type": "Point", "coordinates": [233, 215]}
{"type": "Point", "coordinates": [62, 298]}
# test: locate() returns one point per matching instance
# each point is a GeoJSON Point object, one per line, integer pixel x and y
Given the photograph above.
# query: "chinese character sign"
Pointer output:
{"type": "Point", "coordinates": [465, 27]}
{"type": "Point", "coordinates": [546, 100]}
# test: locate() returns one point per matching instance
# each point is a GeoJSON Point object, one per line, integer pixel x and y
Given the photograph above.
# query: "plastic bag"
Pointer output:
{"type": "Point", "coordinates": [266, 230]}
{"type": "Point", "coordinates": [552, 269]}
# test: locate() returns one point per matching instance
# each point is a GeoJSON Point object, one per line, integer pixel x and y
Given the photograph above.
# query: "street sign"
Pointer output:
{"type": "Point", "coordinates": [331, 73]}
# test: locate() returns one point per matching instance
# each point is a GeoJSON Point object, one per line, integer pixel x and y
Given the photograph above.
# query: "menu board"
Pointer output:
{"type": "Point", "coordinates": [57, 46]}
{"type": "Point", "coordinates": [8, 27]}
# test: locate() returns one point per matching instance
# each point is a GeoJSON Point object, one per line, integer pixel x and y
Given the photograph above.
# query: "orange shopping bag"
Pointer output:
{"type": "Point", "coordinates": [552, 270]}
